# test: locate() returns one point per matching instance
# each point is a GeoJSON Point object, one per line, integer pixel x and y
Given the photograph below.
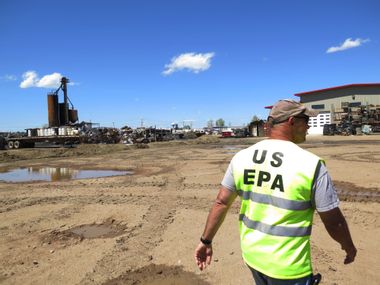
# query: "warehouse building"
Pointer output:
{"type": "Point", "coordinates": [341, 102]}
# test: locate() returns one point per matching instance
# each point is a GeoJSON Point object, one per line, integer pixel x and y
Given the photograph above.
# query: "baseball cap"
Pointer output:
{"type": "Point", "coordinates": [287, 108]}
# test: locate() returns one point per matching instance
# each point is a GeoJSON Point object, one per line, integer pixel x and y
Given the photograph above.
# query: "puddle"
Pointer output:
{"type": "Point", "coordinates": [26, 174]}
{"type": "Point", "coordinates": [95, 231]}
{"type": "Point", "coordinates": [74, 235]}
{"type": "Point", "coordinates": [232, 147]}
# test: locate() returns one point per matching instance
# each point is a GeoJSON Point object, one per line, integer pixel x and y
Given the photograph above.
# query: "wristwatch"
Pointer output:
{"type": "Point", "coordinates": [206, 241]}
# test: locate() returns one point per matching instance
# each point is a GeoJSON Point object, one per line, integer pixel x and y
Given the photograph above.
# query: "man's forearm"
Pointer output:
{"type": "Point", "coordinates": [341, 234]}
{"type": "Point", "coordinates": [218, 212]}
{"type": "Point", "coordinates": [215, 220]}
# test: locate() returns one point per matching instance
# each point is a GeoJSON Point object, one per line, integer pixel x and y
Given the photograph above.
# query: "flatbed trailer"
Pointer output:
{"type": "Point", "coordinates": [29, 142]}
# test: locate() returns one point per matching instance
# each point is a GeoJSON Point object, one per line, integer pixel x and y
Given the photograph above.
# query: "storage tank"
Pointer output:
{"type": "Point", "coordinates": [73, 115]}
{"type": "Point", "coordinates": [62, 111]}
{"type": "Point", "coordinates": [53, 113]}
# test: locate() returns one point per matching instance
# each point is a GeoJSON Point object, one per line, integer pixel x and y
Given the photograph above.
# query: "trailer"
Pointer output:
{"type": "Point", "coordinates": [29, 142]}
{"type": "Point", "coordinates": [62, 135]}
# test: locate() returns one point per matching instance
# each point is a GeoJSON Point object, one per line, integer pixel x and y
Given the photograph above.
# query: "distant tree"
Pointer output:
{"type": "Point", "coordinates": [219, 122]}
{"type": "Point", "coordinates": [210, 123]}
{"type": "Point", "coordinates": [255, 118]}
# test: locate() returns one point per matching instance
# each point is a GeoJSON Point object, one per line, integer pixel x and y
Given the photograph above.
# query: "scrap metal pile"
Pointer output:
{"type": "Point", "coordinates": [150, 134]}
{"type": "Point", "coordinates": [101, 135]}
{"type": "Point", "coordinates": [145, 135]}
{"type": "Point", "coordinates": [355, 121]}
{"type": "Point", "coordinates": [3, 142]}
{"type": "Point", "coordinates": [126, 135]}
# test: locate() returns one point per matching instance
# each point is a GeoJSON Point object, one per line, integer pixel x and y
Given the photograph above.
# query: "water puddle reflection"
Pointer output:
{"type": "Point", "coordinates": [26, 174]}
{"type": "Point", "coordinates": [232, 149]}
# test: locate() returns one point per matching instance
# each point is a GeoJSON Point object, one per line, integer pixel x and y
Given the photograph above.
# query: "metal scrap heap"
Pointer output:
{"type": "Point", "coordinates": [145, 135]}
{"type": "Point", "coordinates": [101, 135]}
{"type": "Point", "coordinates": [364, 119]}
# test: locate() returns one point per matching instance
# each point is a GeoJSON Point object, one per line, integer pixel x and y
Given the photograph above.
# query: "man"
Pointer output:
{"type": "Point", "coordinates": [280, 186]}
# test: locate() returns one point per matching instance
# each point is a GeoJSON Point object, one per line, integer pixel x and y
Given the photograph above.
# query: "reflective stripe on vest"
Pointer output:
{"type": "Point", "coordinates": [275, 201]}
{"type": "Point", "coordinates": [275, 230]}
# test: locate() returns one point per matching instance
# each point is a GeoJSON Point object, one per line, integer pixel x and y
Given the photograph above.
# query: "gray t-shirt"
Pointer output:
{"type": "Point", "coordinates": [324, 196]}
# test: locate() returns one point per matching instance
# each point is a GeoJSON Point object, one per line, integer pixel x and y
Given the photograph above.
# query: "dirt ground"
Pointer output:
{"type": "Point", "coordinates": [143, 228]}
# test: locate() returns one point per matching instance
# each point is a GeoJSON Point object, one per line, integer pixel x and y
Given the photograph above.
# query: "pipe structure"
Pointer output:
{"type": "Point", "coordinates": [64, 82]}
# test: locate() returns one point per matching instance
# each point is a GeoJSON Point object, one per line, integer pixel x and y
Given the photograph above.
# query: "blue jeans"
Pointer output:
{"type": "Point", "coordinates": [262, 279]}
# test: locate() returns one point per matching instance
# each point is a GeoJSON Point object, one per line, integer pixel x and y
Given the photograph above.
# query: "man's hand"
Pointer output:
{"type": "Point", "coordinates": [350, 255]}
{"type": "Point", "coordinates": [203, 255]}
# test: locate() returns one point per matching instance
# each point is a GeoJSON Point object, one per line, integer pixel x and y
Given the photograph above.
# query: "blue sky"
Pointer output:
{"type": "Point", "coordinates": [160, 62]}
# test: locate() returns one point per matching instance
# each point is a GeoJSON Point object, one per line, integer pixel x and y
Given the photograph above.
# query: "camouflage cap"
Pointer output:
{"type": "Point", "coordinates": [287, 108]}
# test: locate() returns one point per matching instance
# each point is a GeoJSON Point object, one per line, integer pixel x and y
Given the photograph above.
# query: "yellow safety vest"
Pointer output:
{"type": "Point", "coordinates": [274, 179]}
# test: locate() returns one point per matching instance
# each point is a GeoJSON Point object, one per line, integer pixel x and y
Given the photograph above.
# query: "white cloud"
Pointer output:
{"type": "Point", "coordinates": [348, 43]}
{"type": "Point", "coordinates": [31, 79]}
{"type": "Point", "coordinates": [50, 80]}
{"type": "Point", "coordinates": [190, 61]}
{"type": "Point", "coordinates": [8, 77]}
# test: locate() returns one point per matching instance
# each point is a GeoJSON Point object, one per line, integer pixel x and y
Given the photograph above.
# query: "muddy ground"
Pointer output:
{"type": "Point", "coordinates": [143, 228]}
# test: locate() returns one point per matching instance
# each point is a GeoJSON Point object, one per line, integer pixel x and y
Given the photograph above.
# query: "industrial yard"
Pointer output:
{"type": "Point", "coordinates": [64, 128]}
{"type": "Point", "coordinates": [142, 227]}
{"type": "Point", "coordinates": [120, 119]}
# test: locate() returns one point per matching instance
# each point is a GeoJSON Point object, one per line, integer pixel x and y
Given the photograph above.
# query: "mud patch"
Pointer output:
{"type": "Point", "coordinates": [95, 231]}
{"type": "Point", "coordinates": [108, 229]}
{"type": "Point", "coordinates": [368, 157]}
{"type": "Point", "coordinates": [158, 275]}
{"type": "Point", "coordinates": [219, 161]}
{"type": "Point", "coordinates": [352, 193]}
